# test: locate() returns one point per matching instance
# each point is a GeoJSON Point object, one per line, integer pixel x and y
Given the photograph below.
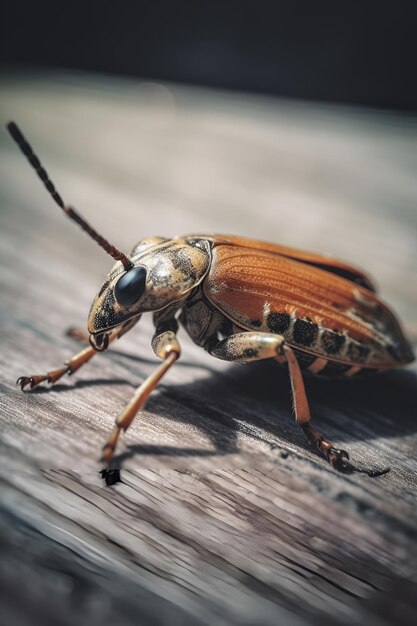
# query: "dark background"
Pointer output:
{"type": "Point", "coordinates": [359, 52]}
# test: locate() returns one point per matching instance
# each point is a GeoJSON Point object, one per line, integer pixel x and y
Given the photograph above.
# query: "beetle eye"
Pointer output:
{"type": "Point", "coordinates": [130, 286]}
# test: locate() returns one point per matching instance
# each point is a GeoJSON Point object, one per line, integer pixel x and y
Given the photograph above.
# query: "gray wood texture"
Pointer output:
{"type": "Point", "coordinates": [224, 515]}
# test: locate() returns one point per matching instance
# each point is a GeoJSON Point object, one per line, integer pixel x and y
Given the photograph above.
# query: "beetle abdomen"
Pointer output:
{"type": "Point", "coordinates": [319, 313]}
{"type": "Point", "coordinates": [320, 366]}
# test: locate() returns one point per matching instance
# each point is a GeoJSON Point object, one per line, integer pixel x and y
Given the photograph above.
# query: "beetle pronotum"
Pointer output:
{"type": "Point", "coordinates": [241, 300]}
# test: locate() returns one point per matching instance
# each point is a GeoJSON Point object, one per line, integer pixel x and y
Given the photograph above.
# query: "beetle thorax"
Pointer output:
{"type": "Point", "coordinates": [174, 267]}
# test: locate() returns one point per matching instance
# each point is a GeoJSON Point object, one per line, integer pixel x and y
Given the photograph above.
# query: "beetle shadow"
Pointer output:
{"type": "Point", "coordinates": [79, 384]}
{"type": "Point", "coordinates": [126, 357]}
{"type": "Point", "coordinates": [254, 400]}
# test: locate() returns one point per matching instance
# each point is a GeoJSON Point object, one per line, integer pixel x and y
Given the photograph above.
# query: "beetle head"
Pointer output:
{"type": "Point", "coordinates": [163, 272]}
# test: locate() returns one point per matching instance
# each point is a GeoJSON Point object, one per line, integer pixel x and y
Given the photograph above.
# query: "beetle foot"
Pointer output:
{"type": "Point", "coordinates": [24, 381]}
{"type": "Point", "coordinates": [339, 459]}
{"type": "Point", "coordinates": [51, 377]}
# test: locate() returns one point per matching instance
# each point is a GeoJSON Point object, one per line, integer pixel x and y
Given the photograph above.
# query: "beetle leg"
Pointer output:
{"type": "Point", "coordinates": [255, 346]}
{"type": "Point", "coordinates": [337, 458]}
{"type": "Point", "coordinates": [52, 376]}
{"type": "Point", "coordinates": [69, 367]}
{"type": "Point", "coordinates": [245, 347]}
{"type": "Point", "coordinates": [166, 346]}
{"type": "Point", "coordinates": [79, 359]}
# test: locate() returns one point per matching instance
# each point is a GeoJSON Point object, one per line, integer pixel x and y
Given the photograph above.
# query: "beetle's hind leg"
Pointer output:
{"type": "Point", "coordinates": [255, 346]}
{"type": "Point", "coordinates": [339, 459]}
{"type": "Point", "coordinates": [336, 457]}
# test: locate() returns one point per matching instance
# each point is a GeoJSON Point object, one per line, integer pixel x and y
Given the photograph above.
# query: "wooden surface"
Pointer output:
{"type": "Point", "coordinates": [224, 515]}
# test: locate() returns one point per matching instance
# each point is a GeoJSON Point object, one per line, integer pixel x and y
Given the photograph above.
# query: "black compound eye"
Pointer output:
{"type": "Point", "coordinates": [130, 286]}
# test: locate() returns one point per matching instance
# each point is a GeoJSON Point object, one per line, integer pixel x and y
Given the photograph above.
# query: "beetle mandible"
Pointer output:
{"type": "Point", "coordinates": [241, 300]}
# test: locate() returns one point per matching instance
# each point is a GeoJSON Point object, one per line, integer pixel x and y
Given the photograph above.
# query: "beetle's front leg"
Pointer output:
{"type": "Point", "coordinates": [69, 367]}
{"type": "Point", "coordinates": [75, 362]}
{"type": "Point", "coordinates": [255, 346]}
{"type": "Point", "coordinates": [166, 346]}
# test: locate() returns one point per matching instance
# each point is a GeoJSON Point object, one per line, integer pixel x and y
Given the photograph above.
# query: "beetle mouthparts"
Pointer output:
{"type": "Point", "coordinates": [99, 342]}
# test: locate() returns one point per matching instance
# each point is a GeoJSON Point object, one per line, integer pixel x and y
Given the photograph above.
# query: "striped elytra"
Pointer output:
{"type": "Point", "coordinates": [321, 307]}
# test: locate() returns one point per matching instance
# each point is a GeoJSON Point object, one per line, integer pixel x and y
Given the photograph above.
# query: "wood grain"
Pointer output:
{"type": "Point", "coordinates": [224, 515]}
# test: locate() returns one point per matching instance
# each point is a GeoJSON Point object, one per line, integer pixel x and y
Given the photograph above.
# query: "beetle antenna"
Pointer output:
{"type": "Point", "coordinates": [19, 138]}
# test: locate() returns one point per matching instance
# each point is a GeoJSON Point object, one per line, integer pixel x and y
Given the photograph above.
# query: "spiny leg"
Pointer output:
{"type": "Point", "coordinates": [70, 366]}
{"type": "Point", "coordinates": [166, 346]}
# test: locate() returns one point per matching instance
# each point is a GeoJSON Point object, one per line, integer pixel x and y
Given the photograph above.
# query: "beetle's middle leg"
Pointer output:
{"type": "Point", "coordinates": [256, 346]}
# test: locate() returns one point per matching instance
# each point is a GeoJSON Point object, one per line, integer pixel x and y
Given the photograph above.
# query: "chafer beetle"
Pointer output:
{"type": "Point", "coordinates": [241, 300]}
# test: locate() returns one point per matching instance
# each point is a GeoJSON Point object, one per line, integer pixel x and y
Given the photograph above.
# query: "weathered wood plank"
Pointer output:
{"type": "Point", "coordinates": [224, 515]}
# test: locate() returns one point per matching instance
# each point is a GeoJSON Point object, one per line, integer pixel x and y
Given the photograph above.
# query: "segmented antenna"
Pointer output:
{"type": "Point", "coordinates": [18, 137]}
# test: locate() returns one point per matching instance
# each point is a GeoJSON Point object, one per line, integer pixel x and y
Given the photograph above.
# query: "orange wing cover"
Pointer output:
{"type": "Point", "coordinates": [264, 287]}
